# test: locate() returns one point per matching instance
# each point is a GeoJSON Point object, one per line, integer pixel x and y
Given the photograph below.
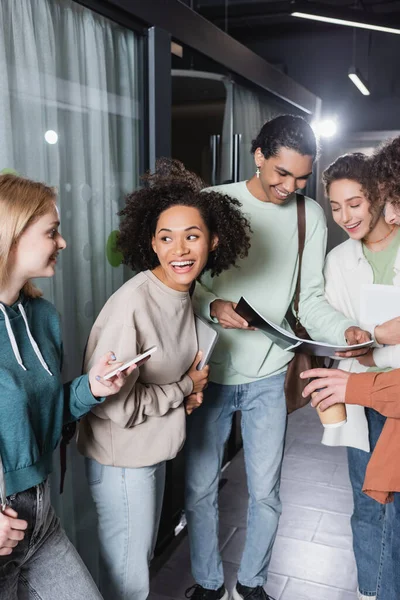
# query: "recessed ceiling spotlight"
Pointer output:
{"type": "Point", "coordinates": [51, 136]}
{"type": "Point", "coordinates": [325, 128]}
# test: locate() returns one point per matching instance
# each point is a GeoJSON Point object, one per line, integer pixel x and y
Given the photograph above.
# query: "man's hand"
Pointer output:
{"type": "Point", "coordinates": [389, 332]}
{"type": "Point", "coordinates": [224, 312]}
{"type": "Point", "coordinates": [368, 359]}
{"type": "Point", "coordinates": [331, 383]}
{"type": "Point", "coordinates": [355, 335]}
{"type": "Point", "coordinates": [193, 401]}
{"type": "Point", "coordinates": [12, 530]}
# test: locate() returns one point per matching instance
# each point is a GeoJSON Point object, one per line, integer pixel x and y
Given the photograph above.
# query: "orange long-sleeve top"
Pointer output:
{"type": "Point", "coordinates": [380, 391]}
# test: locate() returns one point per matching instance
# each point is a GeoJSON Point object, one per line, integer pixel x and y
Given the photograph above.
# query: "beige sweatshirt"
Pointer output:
{"type": "Point", "coordinates": [144, 423]}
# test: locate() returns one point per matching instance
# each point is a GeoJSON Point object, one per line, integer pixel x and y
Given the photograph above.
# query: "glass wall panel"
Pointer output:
{"type": "Point", "coordinates": [70, 116]}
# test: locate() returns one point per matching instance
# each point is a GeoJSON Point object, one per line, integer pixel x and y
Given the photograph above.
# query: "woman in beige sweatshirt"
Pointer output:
{"type": "Point", "coordinates": [171, 233]}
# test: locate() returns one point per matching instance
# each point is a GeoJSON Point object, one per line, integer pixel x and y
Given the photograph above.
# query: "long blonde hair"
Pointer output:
{"type": "Point", "coordinates": [22, 202]}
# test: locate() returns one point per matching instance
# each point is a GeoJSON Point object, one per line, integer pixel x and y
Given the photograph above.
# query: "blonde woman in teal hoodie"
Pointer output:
{"type": "Point", "coordinates": [36, 558]}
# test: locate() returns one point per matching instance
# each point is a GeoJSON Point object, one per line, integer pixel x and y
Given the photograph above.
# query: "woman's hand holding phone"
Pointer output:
{"type": "Point", "coordinates": [199, 378]}
{"type": "Point", "coordinates": [101, 387]}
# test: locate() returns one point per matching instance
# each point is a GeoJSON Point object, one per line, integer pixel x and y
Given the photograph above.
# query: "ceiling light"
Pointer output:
{"type": "Point", "coordinates": [51, 137]}
{"type": "Point", "coordinates": [350, 21]}
{"type": "Point", "coordinates": [356, 78]}
{"type": "Point", "coordinates": [325, 128]}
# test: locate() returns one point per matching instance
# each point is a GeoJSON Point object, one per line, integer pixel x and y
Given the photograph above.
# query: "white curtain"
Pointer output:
{"type": "Point", "coordinates": [246, 112]}
{"type": "Point", "coordinates": [251, 110]}
{"type": "Point", "coordinates": [66, 69]}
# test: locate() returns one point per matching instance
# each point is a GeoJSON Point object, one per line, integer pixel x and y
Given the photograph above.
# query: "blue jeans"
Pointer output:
{"type": "Point", "coordinates": [371, 522]}
{"type": "Point", "coordinates": [263, 408]}
{"type": "Point", "coordinates": [396, 549]}
{"type": "Point", "coordinates": [128, 503]}
{"type": "Point", "coordinates": [44, 565]}
{"type": "Point", "coordinates": [388, 589]}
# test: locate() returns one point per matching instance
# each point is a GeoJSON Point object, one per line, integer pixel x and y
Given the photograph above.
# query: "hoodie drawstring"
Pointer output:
{"type": "Point", "coordinates": [13, 341]}
{"type": "Point", "coordinates": [11, 337]}
{"type": "Point", "coordinates": [32, 341]}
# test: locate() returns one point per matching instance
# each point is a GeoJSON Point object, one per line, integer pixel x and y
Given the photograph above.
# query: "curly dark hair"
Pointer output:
{"type": "Point", "coordinates": [172, 185]}
{"type": "Point", "coordinates": [348, 166]}
{"type": "Point", "coordinates": [286, 131]}
{"type": "Point", "coordinates": [384, 175]}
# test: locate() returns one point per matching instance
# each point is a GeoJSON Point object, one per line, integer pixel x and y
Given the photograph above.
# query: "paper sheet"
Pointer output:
{"type": "Point", "coordinates": [379, 303]}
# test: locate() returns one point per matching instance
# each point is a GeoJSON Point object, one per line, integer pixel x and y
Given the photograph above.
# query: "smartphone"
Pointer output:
{"type": "Point", "coordinates": [131, 362]}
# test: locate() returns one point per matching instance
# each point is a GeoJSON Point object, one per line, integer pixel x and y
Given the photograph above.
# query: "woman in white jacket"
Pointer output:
{"type": "Point", "coordinates": [371, 255]}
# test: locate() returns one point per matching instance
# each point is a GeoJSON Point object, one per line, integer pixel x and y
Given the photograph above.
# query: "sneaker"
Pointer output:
{"type": "Point", "coordinates": [242, 592]}
{"type": "Point", "coordinates": [197, 592]}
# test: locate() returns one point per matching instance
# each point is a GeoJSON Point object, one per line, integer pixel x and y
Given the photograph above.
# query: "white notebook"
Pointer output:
{"type": "Point", "coordinates": [206, 340]}
{"type": "Point", "coordinates": [379, 303]}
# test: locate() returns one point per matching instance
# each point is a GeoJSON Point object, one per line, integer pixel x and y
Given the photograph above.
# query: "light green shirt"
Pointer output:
{"type": "Point", "coordinates": [382, 264]}
{"type": "Point", "coordinates": [267, 279]}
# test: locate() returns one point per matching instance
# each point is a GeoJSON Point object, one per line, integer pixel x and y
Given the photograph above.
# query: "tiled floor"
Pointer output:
{"type": "Point", "coordinates": [312, 557]}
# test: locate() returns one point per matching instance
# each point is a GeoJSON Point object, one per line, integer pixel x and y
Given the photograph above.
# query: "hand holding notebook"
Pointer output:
{"type": "Point", "coordinates": [206, 339]}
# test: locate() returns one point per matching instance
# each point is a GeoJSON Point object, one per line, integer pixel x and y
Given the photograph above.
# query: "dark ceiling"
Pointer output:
{"type": "Point", "coordinates": [254, 18]}
{"type": "Point", "coordinates": [319, 55]}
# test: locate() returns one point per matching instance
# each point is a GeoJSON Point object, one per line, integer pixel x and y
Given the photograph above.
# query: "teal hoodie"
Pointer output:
{"type": "Point", "coordinates": [34, 404]}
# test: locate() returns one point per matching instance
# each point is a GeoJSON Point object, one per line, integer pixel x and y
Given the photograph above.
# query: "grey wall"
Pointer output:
{"type": "Point", "coordinates": [320, 62]}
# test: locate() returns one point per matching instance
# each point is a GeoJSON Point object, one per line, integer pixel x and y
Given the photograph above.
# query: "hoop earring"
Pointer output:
{"type": "Point", "coordinates": [258, 172]}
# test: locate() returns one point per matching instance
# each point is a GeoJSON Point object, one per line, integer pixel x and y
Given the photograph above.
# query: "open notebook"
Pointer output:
{"type": "Point", "coordinates": [287, 340]}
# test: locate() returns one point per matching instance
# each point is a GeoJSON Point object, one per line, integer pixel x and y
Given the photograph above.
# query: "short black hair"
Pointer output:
{"type": "Point", "coordinates": [172, 185]}
{"type": "Point", "coordinates": [348, 166]}
{"type": "Point", "coordinates": [384, 175]}
{"type": "Point", "coordinates": [286, 131]}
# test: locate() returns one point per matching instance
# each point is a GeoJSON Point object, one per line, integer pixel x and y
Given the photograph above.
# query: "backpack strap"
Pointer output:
{"type": "Point", "coordinates": [301, 229]}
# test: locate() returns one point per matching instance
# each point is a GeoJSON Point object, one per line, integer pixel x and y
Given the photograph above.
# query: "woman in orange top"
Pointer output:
{"type": "Point", "coordinates": [380, 391]}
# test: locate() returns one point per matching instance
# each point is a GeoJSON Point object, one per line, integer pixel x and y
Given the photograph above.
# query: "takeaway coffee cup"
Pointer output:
{"type": "Point", "coordinates": [334, 416]}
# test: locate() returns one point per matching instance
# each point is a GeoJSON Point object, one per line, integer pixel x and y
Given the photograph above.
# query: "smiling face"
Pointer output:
{"type": "Point", "coordinates": [35, 252]}
{"type": "Point", "coordinates": [350, 208]}
{"type": "Point", "coordinates": [182, 243]}
{"type": "Point", "coordinates": [283, 174]}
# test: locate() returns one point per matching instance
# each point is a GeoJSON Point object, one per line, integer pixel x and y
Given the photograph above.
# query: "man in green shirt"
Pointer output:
{"type": "Point", "coordinates": [247, 369]}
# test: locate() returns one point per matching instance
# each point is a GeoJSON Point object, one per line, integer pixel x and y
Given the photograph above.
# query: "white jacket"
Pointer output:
{"type": "Point", "coordinates": [346, 271]}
